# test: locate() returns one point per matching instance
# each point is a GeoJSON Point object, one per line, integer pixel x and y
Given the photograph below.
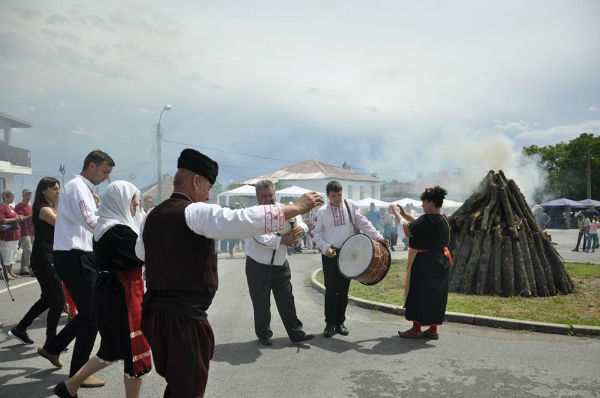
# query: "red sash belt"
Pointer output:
{"type": "Point", "coordinates": [134, 292]}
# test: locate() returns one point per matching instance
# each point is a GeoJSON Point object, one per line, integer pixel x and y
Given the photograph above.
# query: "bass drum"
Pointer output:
{"type": "Point", "coordinates": [364, 259]}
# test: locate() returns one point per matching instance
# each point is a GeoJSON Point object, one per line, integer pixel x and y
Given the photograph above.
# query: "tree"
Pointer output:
{"type": "Point", "coordinates": [566, 165]}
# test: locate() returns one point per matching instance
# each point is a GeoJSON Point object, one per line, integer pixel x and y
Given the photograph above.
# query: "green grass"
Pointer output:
{"type": "Point", "coordinates": [579, 308]}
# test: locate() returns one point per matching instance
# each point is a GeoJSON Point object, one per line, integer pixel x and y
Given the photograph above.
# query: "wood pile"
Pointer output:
{"type": "Point", "coordinates": [499, 248]}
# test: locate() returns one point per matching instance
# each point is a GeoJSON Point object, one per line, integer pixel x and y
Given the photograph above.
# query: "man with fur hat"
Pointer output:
{"type": "Point", "coordinates": [177, 243]}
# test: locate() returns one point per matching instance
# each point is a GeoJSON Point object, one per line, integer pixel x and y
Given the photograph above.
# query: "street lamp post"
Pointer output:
{"type": "Point", "coordinates": [159, 152]}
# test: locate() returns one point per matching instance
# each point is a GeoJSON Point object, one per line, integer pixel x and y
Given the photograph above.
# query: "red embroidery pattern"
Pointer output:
{"type": "Point", "coordinates": [339, 218]}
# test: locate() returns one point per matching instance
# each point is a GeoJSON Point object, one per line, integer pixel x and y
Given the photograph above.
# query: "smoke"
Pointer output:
{"type": "Point", "coordinates": [462, 156]}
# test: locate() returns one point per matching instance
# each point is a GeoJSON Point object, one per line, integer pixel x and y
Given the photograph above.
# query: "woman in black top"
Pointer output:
{"type": "Point", "coordinates": [42, 263]}
{"type": "Point", "coordinates": [427, 274]}
{"type": "Point", "coordinates": [118, 292]}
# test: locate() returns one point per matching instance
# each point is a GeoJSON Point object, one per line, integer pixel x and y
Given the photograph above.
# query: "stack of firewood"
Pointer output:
{"type": "Point", "coordinates": [500, 249]}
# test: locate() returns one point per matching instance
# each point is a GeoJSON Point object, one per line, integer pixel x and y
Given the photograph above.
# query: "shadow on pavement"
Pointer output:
{"type": "Point", "coordinates": [41, 384]}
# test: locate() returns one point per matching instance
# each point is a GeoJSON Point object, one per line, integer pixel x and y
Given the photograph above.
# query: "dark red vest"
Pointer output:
{"type": "Point", "coordinates": [178, 259]}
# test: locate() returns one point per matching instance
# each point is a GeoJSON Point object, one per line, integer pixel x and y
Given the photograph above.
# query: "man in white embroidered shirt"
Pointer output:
{"type": "Point", "coordinates": [74, 262]}
{"type": "Point", "coordinates": [333, 225]}
{"type": "Point", "coordinates": [267, 269]}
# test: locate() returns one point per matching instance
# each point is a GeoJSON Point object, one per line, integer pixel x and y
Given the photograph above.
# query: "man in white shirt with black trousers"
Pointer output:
{"type": "Point", "coordinates": [74, 262]}
{"type": "Point", "coordinates": [267, 269]}
{"type": "Point", "coordinates": [334, 223]}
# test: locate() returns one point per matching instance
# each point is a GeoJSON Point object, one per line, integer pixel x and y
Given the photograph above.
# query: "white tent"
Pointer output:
{"type": "Point", "coordinates": [293, 191]}
{"type": "Point", "coordinates": [244, 190]}
{"type": "Point", "coordinates": [451, 204]}
{"type": "Point", "coordinates": [405, 201]}
{"type": "Point", "coordinates": [364, 203]}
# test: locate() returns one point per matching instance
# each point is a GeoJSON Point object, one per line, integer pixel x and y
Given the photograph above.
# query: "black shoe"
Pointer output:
{"type": "Point", "coordinates": [302, 338]}
{"type": "Point", "coordinates": [575, 250]}
{"type": "Point", "coordinates": [392, 248]}
{"type": "Point", "coordinates": [341, 329]}
{"type": "Point", "coordinates": [23, 337]}
{"type": "Point", "coordinates": [329, 330]}
{"type": "Point", "coordinates": [60, 390]}
{"type": "Point", "coordinates": [265, 340]}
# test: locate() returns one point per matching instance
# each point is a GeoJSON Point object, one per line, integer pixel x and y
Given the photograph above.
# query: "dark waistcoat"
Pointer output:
{"type": "Point", "coordinates": [179, 262]}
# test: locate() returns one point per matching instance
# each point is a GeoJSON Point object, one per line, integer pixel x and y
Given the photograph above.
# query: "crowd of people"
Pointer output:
{"type": "Point", "coordinates": [93, 250]}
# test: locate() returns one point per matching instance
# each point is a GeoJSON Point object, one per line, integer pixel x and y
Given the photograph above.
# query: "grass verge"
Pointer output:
{"type": "Point", "coordinates": [579, 308]}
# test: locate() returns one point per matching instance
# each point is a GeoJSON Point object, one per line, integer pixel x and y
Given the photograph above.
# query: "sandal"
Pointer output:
{"type": "Point", "coordinates": [410, 334]}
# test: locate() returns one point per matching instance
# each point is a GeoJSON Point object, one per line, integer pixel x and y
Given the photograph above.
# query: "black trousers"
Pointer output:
{"type": "Point", "coordinates": [76, 269]}
{"type": "Point", "coordinates": [52, 299]}
{"type": "Point", "coordinates": [336, 292]}
{"type": "Point", "coordinates": [262, 279]}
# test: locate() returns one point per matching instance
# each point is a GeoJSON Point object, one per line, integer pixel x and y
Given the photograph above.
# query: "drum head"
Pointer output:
{"type": "Point", "coordinates": [355, 255]}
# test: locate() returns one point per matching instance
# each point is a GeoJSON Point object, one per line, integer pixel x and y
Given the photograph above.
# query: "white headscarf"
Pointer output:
{"type": "Point", "coordinates": [115, 208]}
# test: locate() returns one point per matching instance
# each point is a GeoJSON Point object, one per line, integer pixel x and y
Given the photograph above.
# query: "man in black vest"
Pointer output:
{"type": "Point", "coordinates": [177, 243]}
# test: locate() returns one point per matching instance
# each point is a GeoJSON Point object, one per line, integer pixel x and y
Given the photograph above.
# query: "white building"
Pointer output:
{"type": "Point", "coordinates": [13, 160]}
{"type": "Point", "coordinates": [315, 174]}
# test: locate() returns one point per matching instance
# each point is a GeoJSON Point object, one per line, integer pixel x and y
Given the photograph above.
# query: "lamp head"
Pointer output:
{"type": "Point", "coordinates": [167, 107]}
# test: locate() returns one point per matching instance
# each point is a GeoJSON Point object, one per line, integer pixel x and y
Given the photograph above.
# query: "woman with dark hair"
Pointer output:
{"type": "Point", "coordinates": [426, 284]}
{"type": "Point", "coordinates": [42, 263]}
{"type": "Point", "coordinates": [117, 294]}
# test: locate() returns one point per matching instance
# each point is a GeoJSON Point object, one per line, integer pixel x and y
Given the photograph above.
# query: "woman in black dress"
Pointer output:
{"type": "Point", "coordinates": [42, 263]}
{"type": "Point", "coordinates": [427, 273]}
{"type": "Point", "coordinates": [118, 293]}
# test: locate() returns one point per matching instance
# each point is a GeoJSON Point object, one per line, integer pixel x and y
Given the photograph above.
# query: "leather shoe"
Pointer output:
{"type": "Point", "coordinates": [341, 329]}
{"type": "Point", "coordinates": [54, 359]}
{"type": "Point", "coordinates": [60, 390]}
{"type": "Point", "coordinates": [92, 382]}
{"type": "Point", "coordinates": [302, 338]}
{"type": "Point", "coordinates": [329, 330]}
{"type": "Point", "coordinates": [266, 340]}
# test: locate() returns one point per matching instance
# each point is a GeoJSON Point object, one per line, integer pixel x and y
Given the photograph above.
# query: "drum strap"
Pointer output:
{"type": "Point", "coordinates": [356, 230]}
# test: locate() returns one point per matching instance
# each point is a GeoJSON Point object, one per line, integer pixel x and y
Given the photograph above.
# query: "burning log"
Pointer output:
{"type": "Point", "coordinates": [500, 249]}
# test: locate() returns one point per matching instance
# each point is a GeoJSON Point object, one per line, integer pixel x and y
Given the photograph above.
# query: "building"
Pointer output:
{"type": "Point", "coordinates": [459, 187]}
{"type": "Point", "coordinates": [13, 160]}
{"type": "Point", "coordinates": [315, 174]}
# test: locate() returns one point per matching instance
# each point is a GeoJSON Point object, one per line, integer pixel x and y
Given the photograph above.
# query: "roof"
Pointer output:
{"type": "Point", "coordinates": [312, 170]}
{"type": "Point", "coordinates": [12, 121]}
{"type": "Point", "coordinates": [152, 189]}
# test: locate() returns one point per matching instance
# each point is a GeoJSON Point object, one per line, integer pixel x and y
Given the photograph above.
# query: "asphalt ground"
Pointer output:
{"type": "Point", "coordinates": [467, 361]}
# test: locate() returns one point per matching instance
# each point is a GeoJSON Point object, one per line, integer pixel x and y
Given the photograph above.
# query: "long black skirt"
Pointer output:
{"type": "Point", "coordinates": [428, 291]}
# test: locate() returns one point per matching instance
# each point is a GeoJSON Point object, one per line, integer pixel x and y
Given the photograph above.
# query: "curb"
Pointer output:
{"type": "Point", "coordinates": [472, 319]}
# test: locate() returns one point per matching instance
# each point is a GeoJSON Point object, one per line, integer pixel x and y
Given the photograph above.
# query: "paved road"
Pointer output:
{"type": "Point", "coordinates": [372, 361]}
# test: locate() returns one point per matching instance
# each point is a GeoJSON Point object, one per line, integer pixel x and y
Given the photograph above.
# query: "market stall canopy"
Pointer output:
{"type": "Point", "coordinates": [564, 202]}
{"type": "Point", "coordinates": [364, 203]}
{"type": "Point", "coordinates": [293, 191]}
{"type": "Point", "coordinates": [588, 202]}
{"type": "Point", "coordinates": [451, 203]}
{"type": "Point", "coordinates": [244, 190]}
{"type": "Point", "coordinates": [405, 201]}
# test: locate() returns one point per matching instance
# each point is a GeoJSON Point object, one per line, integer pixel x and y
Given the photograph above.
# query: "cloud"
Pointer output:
{"type": "Point", "coordinates": [312, 90]}
{"type": "Point", "coordinates": [371, 108]}
{"type": "Point", "coordinates": [593, 108]}
{"type": "Point", "coordinates": [82, 131]}
{"type": "Point", "coordinates": [144, 110]}
{"type": "Point", "coordinates": [26, 13]}
{"type": "Point", "coordinates": [511, 126]}
{"type": "Point", "coordinates": [559, 133]}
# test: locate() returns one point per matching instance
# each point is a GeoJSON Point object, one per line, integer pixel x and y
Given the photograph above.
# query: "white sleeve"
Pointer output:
{"type": "Point", "coordinates": [301, 224]}
{"type": "Point", "coordinates": [318, 231]}
{"type": "Point", "coordinates": [216, 222]}
{"type": "Point", "coordinates": [140, 250]}
{"type": "Point", "coordinates": [268, 240]}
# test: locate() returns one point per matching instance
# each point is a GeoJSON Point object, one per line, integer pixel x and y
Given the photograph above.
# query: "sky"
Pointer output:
{"type": "Point", "coordinates": [393, 87]}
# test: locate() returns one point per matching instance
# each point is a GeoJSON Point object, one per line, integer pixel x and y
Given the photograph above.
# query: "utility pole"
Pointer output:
{"type": "Point", "coordinates": [62, 169]}
{"type": "Point", "coordinates": [159, 135]}
{"type": "Point", "coordinates": [588, 172]}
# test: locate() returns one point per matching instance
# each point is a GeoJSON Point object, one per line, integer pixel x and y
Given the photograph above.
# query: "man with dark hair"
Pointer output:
{"type": "Point", "coordinates": [177, 243]}
{"type": "Point", "coordinates": [74, 262]}
{"type": "Point", "coordinates": [267, 269]}
{"type": "Point", "coordinates": [334, 223]}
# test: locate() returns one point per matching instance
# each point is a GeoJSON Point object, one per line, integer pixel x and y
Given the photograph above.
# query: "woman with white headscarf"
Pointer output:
{"type": "Point", "coordinates": [118, 292]}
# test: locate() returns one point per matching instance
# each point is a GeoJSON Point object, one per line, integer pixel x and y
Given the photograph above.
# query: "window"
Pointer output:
{"type": "Point", "coordinates": [373, 191]}
{"type": "Point", "coordinates": [362, 191]}
{"type": "Point", "coordinates": [350, 191]}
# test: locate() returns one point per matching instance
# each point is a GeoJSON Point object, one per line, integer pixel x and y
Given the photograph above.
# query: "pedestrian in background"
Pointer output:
{"type": "Point", "coordinates": [25, 210]}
